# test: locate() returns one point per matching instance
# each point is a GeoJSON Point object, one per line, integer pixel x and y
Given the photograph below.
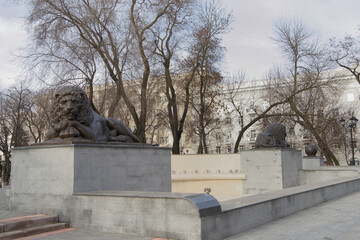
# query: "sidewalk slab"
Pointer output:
{"type": "Point", "coordinates": [337, 219]}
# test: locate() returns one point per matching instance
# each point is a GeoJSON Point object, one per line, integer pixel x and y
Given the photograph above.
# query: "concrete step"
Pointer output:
{"type": "Point", "coordinates": [19, 227]}
{"type": "Point", "coordinates": [27, 222]}
{"type": "Point", "coordinates": [32, 231]}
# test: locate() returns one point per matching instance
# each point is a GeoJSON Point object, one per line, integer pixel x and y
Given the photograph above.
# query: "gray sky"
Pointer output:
{"type": "Point", "coordinates": [249, 46]}
{"type": "Point", "coordinates": [12, 38]}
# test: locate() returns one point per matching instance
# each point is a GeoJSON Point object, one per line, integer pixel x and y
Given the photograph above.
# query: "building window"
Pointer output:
{"type": "Point", "coordinates": [306, 134]}
{"type": "Point", "coordinates": [218, 149]}
{"type": "Point", "coordinates": [218, 136]}
{"type": "Point", "coordinates": [252, 117]}
{"type": "Point", "coordinates": [253, 134]}
{"type": "Point", "coordinates": [167, 140]}
{"type": "Point", "coordinates": [241, 147]}
{"type": "Point", "coordinates": [228, 121]}
{"type": "Point", "coordinates": [228, 136]}
{"type": "Point", "coordinates": [161, 140]}
{"type": "Point", "coordinates": [336, 146]}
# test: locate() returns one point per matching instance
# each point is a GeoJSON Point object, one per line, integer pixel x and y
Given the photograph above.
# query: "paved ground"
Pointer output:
{"type": "Point", "coordinates": [335, 220]}
{"type": "Point", "coordinates": [338, 219]}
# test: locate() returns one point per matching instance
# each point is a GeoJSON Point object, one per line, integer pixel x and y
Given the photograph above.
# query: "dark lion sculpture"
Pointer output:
{"type": "Point", "coordinates": [273, 136]}
{"type": "Point", "coordinates": [73, 119]}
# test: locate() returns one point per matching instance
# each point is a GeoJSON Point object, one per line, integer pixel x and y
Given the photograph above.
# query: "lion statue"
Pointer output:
{"type": "Point", "coordinates": [73, 119]}
{"type": "Point", "coordinates": [273, 136]}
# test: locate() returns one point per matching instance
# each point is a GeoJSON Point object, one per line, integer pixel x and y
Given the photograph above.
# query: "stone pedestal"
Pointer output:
{"type": "Point", "coordinates": [270, 169]}
{"type": "Point", "coordinates": [312, 162]}
{"type": "Point", "coordinates": [123, 188]}
{"type": "Point", "coordinates": [73, 168]}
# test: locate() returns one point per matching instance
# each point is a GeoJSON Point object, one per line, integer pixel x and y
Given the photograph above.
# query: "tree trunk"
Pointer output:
{"type": "Point", "coordinates": [330, 157]}
{"type": "Point", "coordinates": [140, 131]}
{"type": "Point", "coordinates": [91, 97]}
{"type": "Point", "coordinates": [5, 174]}
{"type": "Point", "coordinates": [201, 147]}
{"type": "Point", "coordinates": [114, 103]}
{"type": "Point", "coordinates": [176, 146]}
{"type": "Point", "coordinates": [205, 147]}
{"type": "Point", "coordinates": [237, 143]}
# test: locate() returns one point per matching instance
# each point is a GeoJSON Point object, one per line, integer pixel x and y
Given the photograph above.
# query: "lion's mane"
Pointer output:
{"type": "Point", "coordinates": [84, 115]}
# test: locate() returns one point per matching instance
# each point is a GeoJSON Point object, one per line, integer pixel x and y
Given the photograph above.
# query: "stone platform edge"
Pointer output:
{"type": "Point", "coordinates": [90, 144]}
{"type": "Point", "coordinates": [248, 212]}
{"type": "Point", "coordinates": [205, 203]}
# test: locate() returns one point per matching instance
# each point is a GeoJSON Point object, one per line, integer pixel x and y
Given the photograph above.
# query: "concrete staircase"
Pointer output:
{"type": "Point", "coordinates": [20, 227]}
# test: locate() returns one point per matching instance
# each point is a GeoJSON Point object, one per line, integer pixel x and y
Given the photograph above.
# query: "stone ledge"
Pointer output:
{"type": "Point", "coordinates": [206, 204]}
{"type": "Point", "coordinates": [277, 194]}
{"type": "Point", "coordinates": [252, 211]}
{"type": "Point", "coordinates": [90, 144]}
{"type": "Point", "coordinates": [204, 177]}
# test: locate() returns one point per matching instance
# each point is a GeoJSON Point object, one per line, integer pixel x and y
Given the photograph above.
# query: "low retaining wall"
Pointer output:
{"type": "Point", "coordinates": [169, 215]}
{"type": "Point", "coordinates": [328, 173]}
{"type": "Point", "coordinates": [221, 186]}
{"type": "Point", "coordinates": [179, 216]}
{"type": "Point", "coordinates": [242, 214]}
{"type": "Point", "coordinates": [48, 179]}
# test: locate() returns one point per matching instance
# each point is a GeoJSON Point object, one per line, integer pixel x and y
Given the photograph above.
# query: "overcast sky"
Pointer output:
{"type": "Point", "coordinates": [249, 46]}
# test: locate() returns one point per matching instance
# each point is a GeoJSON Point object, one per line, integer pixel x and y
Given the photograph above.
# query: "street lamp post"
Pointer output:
{"type": "Point", "coordinates": [352, 125]}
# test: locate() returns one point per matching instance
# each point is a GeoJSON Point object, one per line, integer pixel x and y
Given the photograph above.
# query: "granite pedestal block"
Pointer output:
{"type": "Point", "coordinates": [71, 168]}
{"type": "Point", "coordinates": [124, 188]}
{"type": "Point", "coordinates": [312, 162]}
{"type": "Point", "coordinates": [270, 169]}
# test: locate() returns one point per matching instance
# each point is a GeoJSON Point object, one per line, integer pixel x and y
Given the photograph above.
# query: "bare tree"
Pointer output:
{"type": "Point", "coordinates": [111, 35]}
{"type": "Point", "coordinates": [96, 25]}
{"type": "Point", "coordinates": [263, 105]}
{"type": "Point", "coordinates": [38, 119]}
{"type": "Point", "coordinates": [205, 56]}
{"type": "Point", "coordinates": [346, 54]}
{"type": "Point", "coordinates": [77, 41]}
{"type": "Point", "coordinates": [305, 70]}
{"type": "Point", "coordinates": [15, 105]}
{"type": "Point", "coordinates": [169, 41]}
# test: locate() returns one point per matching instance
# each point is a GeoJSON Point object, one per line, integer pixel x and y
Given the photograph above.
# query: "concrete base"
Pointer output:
{"type": "Point", "coordinates": [245, 213]}
{"type": "Point", "coordinates": [44, 183]}
{"type": "Point", "coordinates": [88, 185]}
{"type": "Point", "coordinates": [147, 214]}
{"type": "Point", "coordinates": [270, 169]}
{"type": "Point", "coordinates": [180, 216]}
{"type": "Point", "coordinates": [312, 162]}
{"type": "Point", "coordinates": [71, 168]}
